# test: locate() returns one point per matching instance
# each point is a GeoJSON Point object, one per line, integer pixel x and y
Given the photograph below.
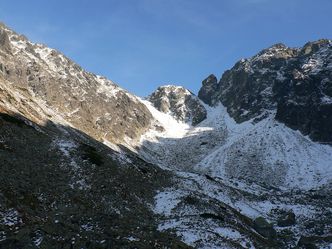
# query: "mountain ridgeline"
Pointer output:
{"type": "Point", "coordinates": [244, 164]}
{"type": "Point", "coordinates": [295, 83]}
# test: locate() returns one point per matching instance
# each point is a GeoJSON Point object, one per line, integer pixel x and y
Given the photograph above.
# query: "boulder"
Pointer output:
{"type": "Point", "coordinates": [264, 228]}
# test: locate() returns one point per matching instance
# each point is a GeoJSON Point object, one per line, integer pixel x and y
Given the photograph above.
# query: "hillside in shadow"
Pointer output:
{"type": "Point", "coordinates": [59, 188]}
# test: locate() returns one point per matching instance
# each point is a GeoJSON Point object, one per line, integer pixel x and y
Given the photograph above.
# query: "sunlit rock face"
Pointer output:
{"type": "Point", "coordinates": [178, 102]}
{"type": "Point", "coordinates": [89, 102]}
{"type": "Point", "coordinates": [296, 82]}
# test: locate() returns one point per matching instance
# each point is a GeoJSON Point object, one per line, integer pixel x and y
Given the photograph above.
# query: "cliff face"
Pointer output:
{"type": "Point", "coordinates": [293, 82]}
{"type": "Point", "coordinates": [86, 101]}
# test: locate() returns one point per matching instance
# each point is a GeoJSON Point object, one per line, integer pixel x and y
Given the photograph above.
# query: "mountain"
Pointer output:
{"type": "Point", "coordinates": [264, 126]}
{"type": "Point", "coordinates": [86, 164]}
{"type": "Point", "coordinates": [295, 82]}
{"type": "Point", "coordinates": [45, 78]}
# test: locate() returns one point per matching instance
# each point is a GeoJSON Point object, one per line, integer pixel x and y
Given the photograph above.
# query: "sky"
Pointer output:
{"type": "Point", "coordinates": [143, 44]}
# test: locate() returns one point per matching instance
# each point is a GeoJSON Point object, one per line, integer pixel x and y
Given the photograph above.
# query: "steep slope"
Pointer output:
{"type": "Point", "coordinates": [88, 102]}
{"type": "Point", "coordinates": [265, 152]}
{"type": "Point", "coordinates": [62, 189]}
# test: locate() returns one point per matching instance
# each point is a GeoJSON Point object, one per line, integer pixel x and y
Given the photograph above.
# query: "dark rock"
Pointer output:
{"type": "Point", "coordinates": [211, 216]}
{"type": "Point", "coordinates": [296, 83]}
{"type": "Point", "coordinates": [287, 219]}
{"type": "Point", "coordinates": [208, 89]}
{"type": "Point", "coordinates": [264, 228]}
{"type": "Point", "coordinates": [307, 243]}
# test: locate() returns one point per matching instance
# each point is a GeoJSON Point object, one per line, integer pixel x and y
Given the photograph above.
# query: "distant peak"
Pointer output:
{"type": "Point", "coordinates": [179, 102]}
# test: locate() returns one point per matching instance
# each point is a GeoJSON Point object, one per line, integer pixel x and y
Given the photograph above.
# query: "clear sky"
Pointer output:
{"type": "Point", "coordinates": [142, 44]}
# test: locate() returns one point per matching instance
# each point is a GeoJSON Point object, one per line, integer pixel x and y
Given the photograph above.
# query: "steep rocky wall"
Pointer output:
{"type": "Point", "coordinates": [294, 82]}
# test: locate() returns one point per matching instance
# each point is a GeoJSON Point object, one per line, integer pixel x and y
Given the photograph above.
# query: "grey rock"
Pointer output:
{"type": "Point", "coordinates": [181, 103]}
{"type": "Point", "coordinates": [86, 101]}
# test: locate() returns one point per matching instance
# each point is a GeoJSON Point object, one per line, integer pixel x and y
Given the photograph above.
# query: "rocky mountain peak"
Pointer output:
{"type": "Point", "coordinates": [179, 102]}
{"type": "Point", "coordinates": [294, 83]}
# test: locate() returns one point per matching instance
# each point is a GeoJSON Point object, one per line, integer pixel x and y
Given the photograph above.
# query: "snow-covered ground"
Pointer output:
{"type": "Point", "coordinates": [265, 151]}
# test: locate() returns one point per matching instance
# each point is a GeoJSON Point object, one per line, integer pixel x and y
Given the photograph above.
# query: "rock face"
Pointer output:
{"type": "Point", "coordinates": [209, 87]}
{"type": "Point", "coordinates": [180, 103]}
{"type": "Point", "coordinates": [86, 101]}
{"type": "Point", "coordinates": [296, 83]}
{"type": "Point", "coordinates": [4, 39]}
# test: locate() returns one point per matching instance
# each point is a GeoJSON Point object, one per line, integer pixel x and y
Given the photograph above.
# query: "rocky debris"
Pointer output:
{"type": "Point", "coordinates": [208, 89]}
{"type": "Point", "coordinates": [180, 103]}
{"type": "Point", "coordinates": [296, 82]}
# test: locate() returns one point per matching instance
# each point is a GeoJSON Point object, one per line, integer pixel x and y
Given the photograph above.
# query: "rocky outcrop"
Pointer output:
{"type": "Point", "coordinates": [180, 103]}
{"type": "Point", "coordinates": [90, 103]}
{"type": "Point", "coordinates": [295, 83]}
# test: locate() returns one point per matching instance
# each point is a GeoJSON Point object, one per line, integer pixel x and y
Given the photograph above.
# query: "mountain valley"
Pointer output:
{"type": "Point", "coordinates": [247, 163]}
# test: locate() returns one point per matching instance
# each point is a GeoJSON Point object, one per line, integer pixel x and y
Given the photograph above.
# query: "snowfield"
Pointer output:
{"type": "Point", "coordinates": [261, 150]}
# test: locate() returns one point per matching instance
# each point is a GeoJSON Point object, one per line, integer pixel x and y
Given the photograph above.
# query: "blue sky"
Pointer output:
{"type": "Point", "coordinates": [142, 44]}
